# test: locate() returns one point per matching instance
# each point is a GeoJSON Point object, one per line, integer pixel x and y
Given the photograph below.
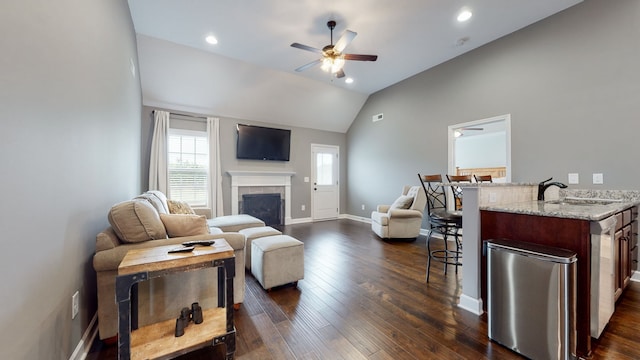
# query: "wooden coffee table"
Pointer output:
{"type": "Point", "coordinates": [158, 340]}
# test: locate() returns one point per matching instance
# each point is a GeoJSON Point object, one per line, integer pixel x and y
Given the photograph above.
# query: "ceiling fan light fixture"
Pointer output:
{"type": "Point", "coordinates": [333, 58]}
{"type": "Point", "coordinates": [332, 64]}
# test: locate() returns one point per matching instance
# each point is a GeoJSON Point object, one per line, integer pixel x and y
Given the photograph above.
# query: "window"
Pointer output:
{"type": "Point", "coordinates": [188, 166]}
{"type": "Point", "coordinates": [324, 169]}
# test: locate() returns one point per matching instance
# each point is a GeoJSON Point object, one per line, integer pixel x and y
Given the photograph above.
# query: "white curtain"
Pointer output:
{"type": "Point", "coordinates": [215, 175]}
{"type": "Point", "coordinates": [158, 165]}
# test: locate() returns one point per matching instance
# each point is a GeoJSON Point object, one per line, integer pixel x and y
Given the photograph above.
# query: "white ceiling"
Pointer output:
{"type": "Point", "coordinates": [250, 73]}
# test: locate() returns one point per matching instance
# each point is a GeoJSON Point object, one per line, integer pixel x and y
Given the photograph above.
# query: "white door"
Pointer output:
{"type": "Point", "coordinates": [325, 196]}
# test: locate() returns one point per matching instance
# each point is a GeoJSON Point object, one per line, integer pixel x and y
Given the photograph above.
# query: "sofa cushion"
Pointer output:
{"type": "Point", "coordinates": [179, 207]}
{"type": "Point", "coordinates": [402, 202]}
{"type": "Point", "coordinates": [135, 221]}
{"type": "Point", "coordinates": [235, 223]}
{"type": "Point", "coordinates": [179, 225]}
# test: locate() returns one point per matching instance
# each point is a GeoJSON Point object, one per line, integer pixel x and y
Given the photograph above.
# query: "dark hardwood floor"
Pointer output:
{"type": "Point", "coordinates": [363, 298]}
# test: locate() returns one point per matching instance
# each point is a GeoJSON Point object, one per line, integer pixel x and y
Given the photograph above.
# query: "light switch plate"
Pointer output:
{"type": "Point", "coordinates": [574, 178]}
{"type": "Point", "coordinates": [306, 179]}
{"type": "Point", "coordinates": [598, 178]}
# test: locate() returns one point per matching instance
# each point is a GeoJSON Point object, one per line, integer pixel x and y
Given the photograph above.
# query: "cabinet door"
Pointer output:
{"type": "Point", "coordinates": [625, 256]}
{"type": "Point", "coordinates": [618, 278]}
{"type": "Point", "coordinates": [633, 244]}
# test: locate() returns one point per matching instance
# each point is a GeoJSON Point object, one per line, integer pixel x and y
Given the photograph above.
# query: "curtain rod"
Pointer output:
{"type": "Point", "coordinates": [193, 117]}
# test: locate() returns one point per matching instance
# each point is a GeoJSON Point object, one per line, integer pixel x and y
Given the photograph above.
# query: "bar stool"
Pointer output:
{"type": "Point", "coordinates": [457, 190]}
{"type": "Point", "coordinates": [442, 222]}
{"type": "Point", "coordinates": [483, 178]}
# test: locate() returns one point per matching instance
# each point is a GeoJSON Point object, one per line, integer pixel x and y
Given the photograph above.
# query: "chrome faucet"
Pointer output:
{"type": "Point", "coordinates": [543, 186]}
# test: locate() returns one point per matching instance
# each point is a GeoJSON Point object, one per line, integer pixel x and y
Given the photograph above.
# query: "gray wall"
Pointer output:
{"type": "Point", "coordinates": [570, 82]}
{"type": "Point", "coordinates": [69, 146]}
{"type": "Point", "coordinates": [300, 160]}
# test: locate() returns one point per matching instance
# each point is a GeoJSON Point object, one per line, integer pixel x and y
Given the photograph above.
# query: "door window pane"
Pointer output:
{"type": "Point", "coordinates": [324, 169]}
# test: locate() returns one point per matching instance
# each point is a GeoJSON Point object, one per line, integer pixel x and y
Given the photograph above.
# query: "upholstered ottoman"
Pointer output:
{"type": "Point", "coordinates": [277, 260]}
{"type": "Point", "coordinates": [234, 223]}
{"type": "Point", "coordinates": [251, 234]}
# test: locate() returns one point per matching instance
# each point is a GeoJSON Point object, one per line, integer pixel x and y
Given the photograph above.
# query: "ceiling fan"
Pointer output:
{"type": "Point", "coordinates": [333, 59]}
{"type": "Point", "coordinates": [459, 132]}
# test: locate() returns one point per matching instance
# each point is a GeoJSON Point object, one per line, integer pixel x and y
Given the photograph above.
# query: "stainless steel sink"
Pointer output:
{"type": "Point", "coordinates": [583, 201]}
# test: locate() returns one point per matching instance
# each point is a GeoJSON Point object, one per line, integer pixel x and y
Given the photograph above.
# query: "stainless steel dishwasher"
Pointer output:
{"type": "Point", "coordinates": [531, 300]}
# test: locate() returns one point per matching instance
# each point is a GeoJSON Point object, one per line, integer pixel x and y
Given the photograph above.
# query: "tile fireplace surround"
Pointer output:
{"type": "Point", "coordinates": [256, 179]}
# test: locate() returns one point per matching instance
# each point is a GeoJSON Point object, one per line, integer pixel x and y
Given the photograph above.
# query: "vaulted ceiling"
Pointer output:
{"type": "Point", "coordinates": [250, 73]}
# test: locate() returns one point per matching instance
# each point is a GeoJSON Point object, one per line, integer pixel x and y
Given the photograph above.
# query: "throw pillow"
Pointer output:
{"type": "Point", "coordinates": [179, 225]}
{"type": "Point", "coordinates": [403, 202]}
{"type": "Point", "coordinates": [179, 207]}
{"type": "Point", "coordinates": [154, 201]}
{"type": "Point", "coordinates": [162, 198]}
{"type": "Point", "coordinates": [136, 221]}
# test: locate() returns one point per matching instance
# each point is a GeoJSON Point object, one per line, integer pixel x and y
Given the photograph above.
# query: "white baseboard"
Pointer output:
{"type": "Point", "coordinates": [355, 218]}
{"type": "Point", "coordinates": [299, 221]}
{"type": "Point", "coordinates": [82, 349]}
{"type": "Point", "coordinates": [635, 276]}
{"type": "Point", "coordinates": [470, 304]}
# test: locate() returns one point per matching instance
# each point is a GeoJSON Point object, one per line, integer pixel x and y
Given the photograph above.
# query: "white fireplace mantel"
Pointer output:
{"type": "Point", "coordinates": [241, 178]}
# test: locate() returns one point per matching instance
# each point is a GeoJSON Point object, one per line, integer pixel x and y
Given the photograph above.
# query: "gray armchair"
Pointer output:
{"type": "Point", "coordinates": [402, 219]}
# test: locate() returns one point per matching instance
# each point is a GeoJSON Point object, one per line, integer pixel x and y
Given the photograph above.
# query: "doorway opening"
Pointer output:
{"type": "Point", "coordinates": [481, 147]}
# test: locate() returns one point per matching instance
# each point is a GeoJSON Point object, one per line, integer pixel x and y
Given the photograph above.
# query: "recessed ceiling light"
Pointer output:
{"type": "Point", "coordinates": [211, 39]}
{"type": "Point", "coordinates": [348, 80]}
{"type": "Point", "coordinates": [464, 15]}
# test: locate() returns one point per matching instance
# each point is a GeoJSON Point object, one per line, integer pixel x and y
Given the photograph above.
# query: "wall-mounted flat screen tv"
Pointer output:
{"type": "Point", "coordinates": [263, 143]}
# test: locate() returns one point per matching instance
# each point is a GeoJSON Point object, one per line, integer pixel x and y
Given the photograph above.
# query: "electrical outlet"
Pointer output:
{"type": "Point", "coordinates": [362, 206]}
{"type": "Point", "coordinates": [75, 305]}
{"type": "Point", "coordinates": [598, 178]}
{"type": "Point", "coordinates": [303, 207]}
{"type": "Point", "coordinates": [574, 178]}
{"type": "Point", "coordinates": [493, 197]}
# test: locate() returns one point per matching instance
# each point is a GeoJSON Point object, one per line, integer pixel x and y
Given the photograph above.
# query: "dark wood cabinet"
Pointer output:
{"type": "Point", "coordinates": [572, 234]}
{"type": "Point", "coordinates": [626, 248]}
{"type": "Point", "coordinates": [565, 233]}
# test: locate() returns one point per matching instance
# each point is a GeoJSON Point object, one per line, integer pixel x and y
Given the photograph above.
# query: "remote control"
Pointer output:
{"type": "Point", "coordinates": [199, 242]}
{"type": "Point", "coordinates": [181, 249]}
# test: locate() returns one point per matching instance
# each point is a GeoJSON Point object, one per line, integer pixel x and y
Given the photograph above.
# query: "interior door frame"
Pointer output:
{"type": "Point", "coordinates": [313, 177]}
{"type": "Point", "coordinates": [451, 140]}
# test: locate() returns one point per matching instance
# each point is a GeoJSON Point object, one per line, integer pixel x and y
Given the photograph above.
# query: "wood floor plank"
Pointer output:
{"type": "Point", "coordinates": [272, 338]}
{"type": "Point", "coordinates": [364, 298]}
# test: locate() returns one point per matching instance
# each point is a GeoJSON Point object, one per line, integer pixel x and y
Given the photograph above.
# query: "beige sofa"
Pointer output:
{"type": "Point", "coordinates": [144, 222]}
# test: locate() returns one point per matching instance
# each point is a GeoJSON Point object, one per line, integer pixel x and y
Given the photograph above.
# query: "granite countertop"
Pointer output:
{"type": "Point", "coordinates": [558, 208]}
{"type": "Point", "coordinates": [486, 184]}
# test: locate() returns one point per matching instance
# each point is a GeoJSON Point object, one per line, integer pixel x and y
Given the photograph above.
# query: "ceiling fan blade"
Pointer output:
{"type": "Point", "coordinates": [360, 57]}
{"type": "Point", "coordinates": [305, 47]}
{"type": "Point", "coordinates": [340, 74]}
{"type": "Point", "coordinates": [306, 66]}
{"type": "Point", "coordinates": [344, 40]}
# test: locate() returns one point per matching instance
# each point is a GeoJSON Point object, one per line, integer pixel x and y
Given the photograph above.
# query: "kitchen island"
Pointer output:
{"type": "Point", "coordinates": [586, 227]}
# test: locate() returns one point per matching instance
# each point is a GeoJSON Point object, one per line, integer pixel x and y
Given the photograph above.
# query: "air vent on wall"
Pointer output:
{"type": "Point", "coordinates": [378, 117]}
